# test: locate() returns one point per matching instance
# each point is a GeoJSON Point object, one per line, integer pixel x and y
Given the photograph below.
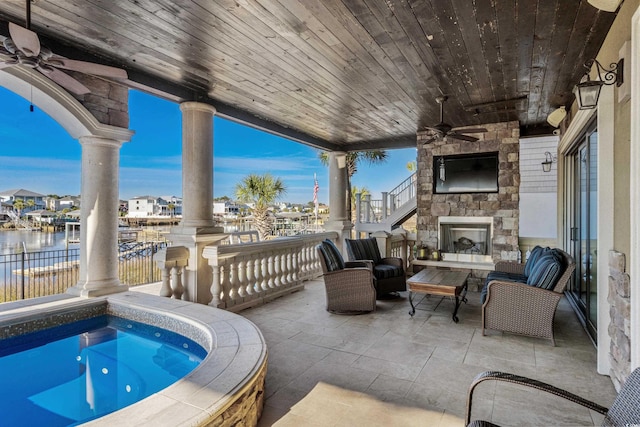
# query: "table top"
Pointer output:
{"type": "Point", "coordinates": [438, 278]}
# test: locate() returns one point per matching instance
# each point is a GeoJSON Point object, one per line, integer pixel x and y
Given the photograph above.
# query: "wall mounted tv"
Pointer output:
{"type": "Point", "coordinates": [465, 173]}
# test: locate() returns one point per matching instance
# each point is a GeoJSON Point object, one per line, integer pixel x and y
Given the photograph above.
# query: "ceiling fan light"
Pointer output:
{"type": "Point", "coordinates": [606, 5]}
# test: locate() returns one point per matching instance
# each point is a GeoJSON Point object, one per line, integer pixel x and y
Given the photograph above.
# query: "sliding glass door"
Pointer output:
{"type": "Point", "coordinates": [583, 232]}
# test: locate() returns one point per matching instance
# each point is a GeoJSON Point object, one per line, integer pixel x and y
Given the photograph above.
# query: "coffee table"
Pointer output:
{"type": "Point", "coordinates": [432, 281]}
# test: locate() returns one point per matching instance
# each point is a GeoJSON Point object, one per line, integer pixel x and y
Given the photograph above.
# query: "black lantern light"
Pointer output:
{"type": "Point", "coordinates": [588, 91]}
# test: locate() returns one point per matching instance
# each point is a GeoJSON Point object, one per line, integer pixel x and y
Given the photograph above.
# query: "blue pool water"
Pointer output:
{"type": "Point", "coordinates": [77, 372]}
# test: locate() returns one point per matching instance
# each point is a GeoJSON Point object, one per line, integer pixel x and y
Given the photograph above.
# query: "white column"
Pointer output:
{"type": "Point", "coordinates": [338, 193]}
{"type": "Point", "coordinates": [99, 218]}
{"type": "Point", "coordinates": [197, 164]}
{"type": "Point", "coordinates": [196, 229]}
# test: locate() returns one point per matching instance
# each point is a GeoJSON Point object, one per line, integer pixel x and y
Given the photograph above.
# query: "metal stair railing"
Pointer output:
{"type": "Point", "coordinates": [378, 211]}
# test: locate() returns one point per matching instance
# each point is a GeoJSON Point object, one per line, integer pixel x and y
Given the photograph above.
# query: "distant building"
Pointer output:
{"type": "Point", "coordinates": [26, 196]}
{"type": "Point", "coordinates": [228, 209]}
{"type": "Point", "coordinates": [60, 203]}
{"type": "Point", "coordinates": [141, 207]}
{"type": "Point", "coordinates": [149, 206]}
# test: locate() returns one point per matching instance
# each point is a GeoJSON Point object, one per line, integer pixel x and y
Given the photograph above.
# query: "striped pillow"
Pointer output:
{"type": "Point", "coordinates": [332, 255]}
{"type": "Point", "coordinates": [361, 249]}
{"type": "Point", "coordinates": [547, 271]}
{"type": "Point", "coordinates": [533, 258]}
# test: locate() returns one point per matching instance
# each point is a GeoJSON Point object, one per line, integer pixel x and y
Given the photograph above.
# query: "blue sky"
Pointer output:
{"type": "Point", "coordinates": [38, 155]}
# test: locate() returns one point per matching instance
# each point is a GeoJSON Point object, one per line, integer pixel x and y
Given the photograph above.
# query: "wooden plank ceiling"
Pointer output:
{"type": "Point", "coordinates": [338, 74]}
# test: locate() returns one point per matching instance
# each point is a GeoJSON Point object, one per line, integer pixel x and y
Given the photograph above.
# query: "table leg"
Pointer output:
{"type": "Point", "coordinates": [459, 300]}
{"type": "Point", "coordinates": [413, 309]}
{"type": "Point", "coordinates": [455, 310]}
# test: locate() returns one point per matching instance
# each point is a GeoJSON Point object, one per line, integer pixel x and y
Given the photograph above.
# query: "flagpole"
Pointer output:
{"type": "Point", "coordinates": [315, 197]}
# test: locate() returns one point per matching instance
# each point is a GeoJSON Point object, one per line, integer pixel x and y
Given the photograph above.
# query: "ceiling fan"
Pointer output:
{"type": "Point", "coordinates": [24, 48]}
{"type": "Point", "coordinates": [442, 129]}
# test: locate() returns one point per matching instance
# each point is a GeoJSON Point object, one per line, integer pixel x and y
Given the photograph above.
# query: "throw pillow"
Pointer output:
{"type": "Point", "coordinates": [536, 252]}
{"type": "Point", "coordinates": [333, 254]}
{"type": "Point", "coordinates": [547, 271]}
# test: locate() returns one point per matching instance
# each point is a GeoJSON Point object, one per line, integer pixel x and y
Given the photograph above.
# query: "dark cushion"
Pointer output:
{"type": "Point", "coordinates": [359, 249]}
{"type": "Point", "coordinates": [332, 256]}
{"type": "Point", "coordinates": [502, 276]}
{"type": "Point", "coordinates": [384, 271]}
{"type": "Point", "coordinates": [547, 271]}
{"type": "Point", "coordinates": [536, 253]}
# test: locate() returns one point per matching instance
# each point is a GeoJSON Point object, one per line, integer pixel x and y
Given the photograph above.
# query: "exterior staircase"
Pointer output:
{"type": "Point", "coordinates": [387, 213]}
{"type": "Point", "coordinates": [20, 223]}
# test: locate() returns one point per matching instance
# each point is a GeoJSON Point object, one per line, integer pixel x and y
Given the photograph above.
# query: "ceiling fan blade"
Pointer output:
{"type": "Point", "coordinates": [471, 130]}
{"type": "Point", "coordinates": [461, 137]}
{"type": "Point", "coordinates": [25, 40]}
{"type": "Point", "coordinates": [64, 80]}
{"type": "Point", "coordinates": [430, 140]}
{"type": "Point", "coordinates": [92, 68]}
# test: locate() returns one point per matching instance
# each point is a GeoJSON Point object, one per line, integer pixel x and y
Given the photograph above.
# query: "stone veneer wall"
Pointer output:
{"type": "Point", "coordinates": [108, 100]}
{"type": "Point", "coordinates": [620, 312]}
{"type": "Point", "coordinates": [503, 206]}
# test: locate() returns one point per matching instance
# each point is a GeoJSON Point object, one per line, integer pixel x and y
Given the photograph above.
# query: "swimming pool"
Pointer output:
{"type": "Point", "coordinates": [225, 389]}
{"type": "Point", "coordinates": [76, 372]}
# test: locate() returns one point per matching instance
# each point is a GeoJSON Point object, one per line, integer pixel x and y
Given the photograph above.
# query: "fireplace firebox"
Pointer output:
{"type": "Point", "coordinates": [465, 239]}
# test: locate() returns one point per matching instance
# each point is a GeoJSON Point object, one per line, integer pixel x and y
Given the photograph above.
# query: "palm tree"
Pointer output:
{"type": "Point", "coordinates": [30, 204]}
{"type": "Point", "coordinates": [261, 190]}
{"type": "Point", "coordinates": [18, 205]}
{"type": "Point", "coordinates": [353, 158]}
{"type": "Point", "coordinates": [171, 207]}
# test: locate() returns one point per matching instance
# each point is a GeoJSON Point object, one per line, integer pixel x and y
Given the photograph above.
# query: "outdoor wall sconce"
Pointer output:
{"type": "Point", "coordinates": [441, 170]}
{"type": "Point", "coordinates": [588, 91]}
{"type": "Point", "coordinates": [549, 159]}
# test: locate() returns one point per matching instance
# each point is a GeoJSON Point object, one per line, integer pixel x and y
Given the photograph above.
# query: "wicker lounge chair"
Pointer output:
{"type": "Point", "coordinates": [624, 411]}
{"type": "Point", "coordinates": [349, 285]}
{"type": "Point", "coordinates": [521, 308]}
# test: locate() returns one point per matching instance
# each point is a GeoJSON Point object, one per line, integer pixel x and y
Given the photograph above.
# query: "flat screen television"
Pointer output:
{"type": "Point", "coordinates": [466, 173]}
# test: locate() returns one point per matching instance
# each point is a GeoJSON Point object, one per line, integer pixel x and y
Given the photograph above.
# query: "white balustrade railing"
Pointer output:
{"type": "Point", "coordinates": [172, 261]}
{"type": "Point", "coordinates": [249, 274]}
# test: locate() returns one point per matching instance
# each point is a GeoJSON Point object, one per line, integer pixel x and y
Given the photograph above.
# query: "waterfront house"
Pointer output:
{"type": "Point", "coordinates": [362, 75]}
{"type": "Point", "coordinates": [31, 200]}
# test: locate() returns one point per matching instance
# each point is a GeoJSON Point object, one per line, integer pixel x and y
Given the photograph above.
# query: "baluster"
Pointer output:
{"type": "Point", "coordinates": [272, 271]}
{"type": "Point", "coordinates": [295, 264]}
{"type": "Point", "coordinates": [236, 291]}
{"type": "Point", "coordinates": [290, 254]}
{"type": "Point", "coordinates": [225, 284]}
{"type": "Point", "coordinates": [263, 268]}
{"type": "Point", "coordinates": [216, 287]}
{"type": "Point", "coordinates": [248, 282]}
{"type": "Point", "coordinates": [176, 282]}
{"type": "Point", "coordinates": [165, 289]}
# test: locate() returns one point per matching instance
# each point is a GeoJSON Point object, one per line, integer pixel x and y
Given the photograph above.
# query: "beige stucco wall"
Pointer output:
{"type": "Point", "coordinates": [619, 33]}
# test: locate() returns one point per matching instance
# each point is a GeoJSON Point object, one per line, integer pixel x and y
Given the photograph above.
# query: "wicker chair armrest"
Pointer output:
{"type": "Point", "coordinates": [509, 267]}
{"type": "Point", "coordinates": [394, 261]}
{"type": "Point", "coordinates": [527, 382]}
{"type": "Point", "coordinates": [366, 263]}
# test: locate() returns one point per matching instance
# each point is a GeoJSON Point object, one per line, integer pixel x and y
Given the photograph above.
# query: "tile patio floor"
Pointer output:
{"type": "Point", "coordinates": [388, 369]}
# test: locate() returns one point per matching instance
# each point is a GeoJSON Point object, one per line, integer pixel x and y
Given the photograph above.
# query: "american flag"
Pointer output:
{"type": "Point", "coordinates": [316, 187]}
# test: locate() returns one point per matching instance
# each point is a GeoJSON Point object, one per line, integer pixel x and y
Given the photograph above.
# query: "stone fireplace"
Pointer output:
{"type": "Point", "coordinates": [499, 209]}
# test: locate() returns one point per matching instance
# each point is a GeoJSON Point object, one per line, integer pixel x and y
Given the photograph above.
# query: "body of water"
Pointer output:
{"type": "Point", "coordinates": [15, 241]}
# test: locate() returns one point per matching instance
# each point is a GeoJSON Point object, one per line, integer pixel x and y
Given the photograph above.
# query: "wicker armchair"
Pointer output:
{"type": "Point", "coordinates": [349, 286]}
{"type": "Point", "coordinates": [520, 308]}
{"type": "Point", "coordinates": [624, 411]}
{"type": "Point", "coordinates": [389, 272]}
